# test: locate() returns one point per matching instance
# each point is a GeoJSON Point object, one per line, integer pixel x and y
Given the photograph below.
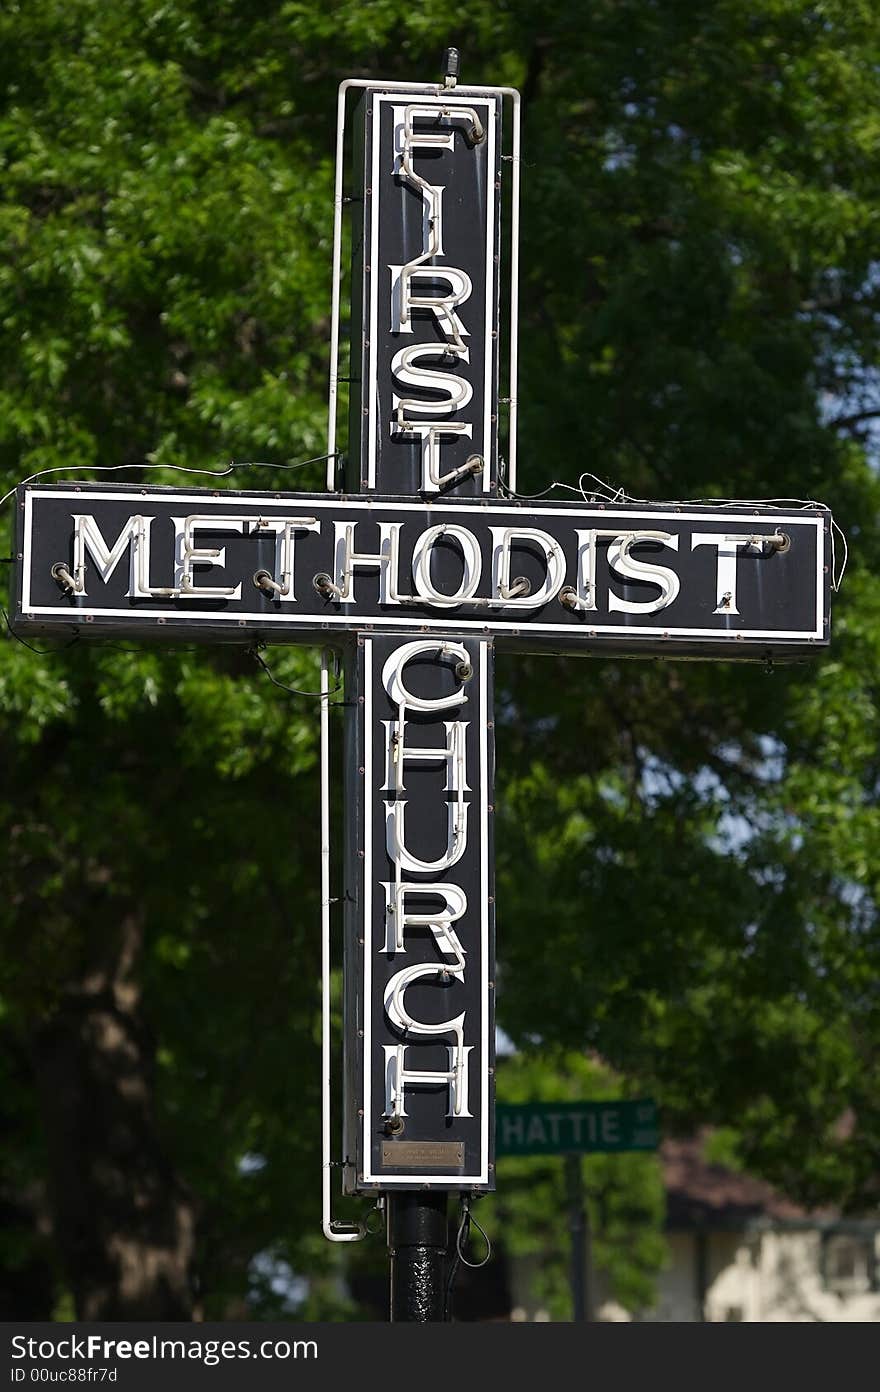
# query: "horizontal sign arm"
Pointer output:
{"type": "Point", "coordinates": [302, 567]}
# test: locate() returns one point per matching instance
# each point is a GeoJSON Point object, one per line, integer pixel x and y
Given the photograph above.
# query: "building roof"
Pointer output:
{"type": "Point", "coordinates": [702, 1194]}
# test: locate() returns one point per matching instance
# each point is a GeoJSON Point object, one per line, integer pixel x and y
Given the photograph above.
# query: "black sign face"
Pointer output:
{"type": "Point", "coordinates": [425, 295]}
{"type": "Point", "coordinates": [200, 565]}
{"type": "Point", "coordinates": [420, 916]}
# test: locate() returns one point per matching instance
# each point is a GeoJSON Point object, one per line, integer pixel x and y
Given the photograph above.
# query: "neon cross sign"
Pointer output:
{"type": "Point", "coordinates": [417, 569]}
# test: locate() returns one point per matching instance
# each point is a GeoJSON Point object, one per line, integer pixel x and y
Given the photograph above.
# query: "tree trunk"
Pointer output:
{"type": "Point", "coordinates": [123, 1222]}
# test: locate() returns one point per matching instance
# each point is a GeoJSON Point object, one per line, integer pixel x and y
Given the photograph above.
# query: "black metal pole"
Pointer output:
{"type": "Point", "coordinates": [418, 1241]}
{"type": "Point", "coordinates": [578, 1221]}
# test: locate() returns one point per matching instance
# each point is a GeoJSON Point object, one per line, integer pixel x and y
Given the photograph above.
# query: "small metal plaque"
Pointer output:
{"type": "Point", "coordinates": [423, 1155]}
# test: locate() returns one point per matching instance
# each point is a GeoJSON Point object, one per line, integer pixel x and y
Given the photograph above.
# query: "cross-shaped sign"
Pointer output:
{"type": "Point", "coordinates": [417, 569]}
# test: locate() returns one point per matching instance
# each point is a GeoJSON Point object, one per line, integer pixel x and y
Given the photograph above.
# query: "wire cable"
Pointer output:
{"type": "Point", "coordinates": [231, 468]}
{"type": "Point", "coordinates": [293, 690]}
{"type": "Point", "coordinates": [41, 652]}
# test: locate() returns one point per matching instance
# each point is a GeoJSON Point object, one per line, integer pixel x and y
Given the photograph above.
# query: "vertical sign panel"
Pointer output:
{"type": "Point", "coordinates": [425, 295]}
{"type": "Point", "coordinates": [420, 915]}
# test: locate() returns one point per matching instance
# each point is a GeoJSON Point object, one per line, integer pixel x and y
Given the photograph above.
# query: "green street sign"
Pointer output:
{"type": "Point", "coordinates": [557, 1128]}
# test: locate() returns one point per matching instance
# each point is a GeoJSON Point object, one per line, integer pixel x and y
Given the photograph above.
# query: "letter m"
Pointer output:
{"type": "Point", "coordinates": [87, 537]}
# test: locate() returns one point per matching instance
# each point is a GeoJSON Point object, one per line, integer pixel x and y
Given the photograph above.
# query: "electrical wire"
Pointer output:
{"type": "Point", "coordinates": [606, 493]}
{"type": "Point", "coordinates": [301, 464]}
{"type": "Point", "coordinates": [293, 690]}
{"type": "Point", "coordinates": [462, 1241]}
{"type": "Point", "coordinates": [475, 1266]}
{"type": "Point", "coordinates": [231, 468]}
{"type": "Point", "coordinates": [453, 1269]}
{"type": "Point", "coordinates": [41, 652]}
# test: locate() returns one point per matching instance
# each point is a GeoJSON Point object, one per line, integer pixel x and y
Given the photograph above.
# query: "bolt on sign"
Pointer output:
{"type": "Point", "coordinates": [415, 573]}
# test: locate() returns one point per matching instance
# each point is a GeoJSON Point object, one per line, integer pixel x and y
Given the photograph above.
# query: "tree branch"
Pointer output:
{"type": "Point", "coordinates": [844, 422]}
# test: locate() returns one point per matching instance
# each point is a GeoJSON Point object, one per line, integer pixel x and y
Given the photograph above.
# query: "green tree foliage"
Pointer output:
{"type": "Point", "coordinates": [687, 853]}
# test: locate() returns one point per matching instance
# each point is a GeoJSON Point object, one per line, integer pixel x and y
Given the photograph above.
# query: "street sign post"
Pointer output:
{"type": "Point", "coordinates": [416, 569]}
{"type": "Point", "coordinates": [573, 1129]}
